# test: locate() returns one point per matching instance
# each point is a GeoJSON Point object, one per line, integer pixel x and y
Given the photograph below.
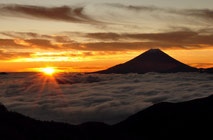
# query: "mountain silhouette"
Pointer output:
{"type": "Point", "coordinates": [186, 120]}
{"type": "Point", "coordinates": [209, 70]}
{"type": "Point", "coordinates": [153, 60]}
{"type": "Point", "coordinates": [3, 73]}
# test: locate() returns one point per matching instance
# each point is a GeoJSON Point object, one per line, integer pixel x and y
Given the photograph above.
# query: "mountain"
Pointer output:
{"type": "Point", "coordinates": [3, 73]}
{"type": "Point", "coordinates": [209, 70]}
{"type": "Point", "coordinates": [190, 119]}
{"type": "Point", "coordinates": [15, 126]}
{"type": "Point", "coordinates": [153, 60]}
{"type": "Point", "coordinates": [185, 120]}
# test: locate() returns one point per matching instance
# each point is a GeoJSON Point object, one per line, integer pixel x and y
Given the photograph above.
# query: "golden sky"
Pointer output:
{"type": "Point", "coordinates": [93, 35]}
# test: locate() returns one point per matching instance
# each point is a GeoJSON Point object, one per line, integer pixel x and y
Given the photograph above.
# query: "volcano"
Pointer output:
{"type": "Point", "coordinates": [153, 60]}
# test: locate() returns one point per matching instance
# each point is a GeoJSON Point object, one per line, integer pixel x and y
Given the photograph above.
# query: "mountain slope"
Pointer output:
{"type": "Point", "coordinates": [190, 119]}
{"type": "Point", "coordinates": [153, 60]}
{"type": "Point", "coordinates": [209, 70]}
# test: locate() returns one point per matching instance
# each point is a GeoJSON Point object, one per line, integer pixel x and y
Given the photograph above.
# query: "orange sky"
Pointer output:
{"type": "Point", "coordinates": [196, 58]}
{"type": "Point", "coordinates": [75, 37]}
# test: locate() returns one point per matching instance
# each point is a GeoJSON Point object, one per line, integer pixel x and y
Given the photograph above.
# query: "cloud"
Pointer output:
{"type": "Point", "coordinates": [133, 7]}
{"type": "Point", "coordinates": [110, 41]}
{"type": "Point", "coordinates": [33, 35]}
{"type": "Point", "coordinates": [184, 39]}
{"type": "Point", "coordinates": [104, 36]}
{"type": "Point", "coordinates": [202, 14]}
{"type": "Point", "coordinates": [4, 55]}
{"type": "Point", "coordinates": [109, 98]}
{"type": "Point", "coordinates": [17, 44]}
{"type": "Point", "coordinates": [7, 43]}
{"type": "Point", "coordinates": [77, 14]}
{"type": "Point", "coordinates": [41, 43]}
{"type": "Point", "coordinates": [63, 13]}
{"type": "Point", "coordinates": [165, 36]}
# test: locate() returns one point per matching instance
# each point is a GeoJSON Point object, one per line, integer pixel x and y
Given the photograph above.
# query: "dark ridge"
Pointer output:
{"type": "Point", "coordinates": [3, 108]}
{"type": "Point", "coordinates": [153, 60]}
{"type": "Point", "coordinates": [3, 73]}
{"type": "Point", "coordinates": [209, 70]}
{"type": "Point", "coordinates": [185, 120]}
{"type": "Point", "coordinates": [190, 119]}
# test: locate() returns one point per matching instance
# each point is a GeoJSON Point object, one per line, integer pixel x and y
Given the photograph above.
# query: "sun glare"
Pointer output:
{"type": "Point", "coordinates": [48, 71]}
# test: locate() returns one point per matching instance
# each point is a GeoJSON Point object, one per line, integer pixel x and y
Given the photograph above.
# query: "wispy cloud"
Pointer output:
{"type": "Point", "coordinates": [133, 7]}
{"type": "Point", "coordinates": [79, 14]}
{"type": "Point", "coordinates": [63, 13]}
{"type": "Point", "coordinates": [202, 14]}
{"type": "Point", "coordinates": [206, 14]}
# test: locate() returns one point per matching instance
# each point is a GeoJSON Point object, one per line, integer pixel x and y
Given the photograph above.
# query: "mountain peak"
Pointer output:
{"type": "Point", "coordinates": [152, 54]}
{"type": "Point", "coordinates": [153, 60]}
{"type": "Point", "coordinates": [154, 50]}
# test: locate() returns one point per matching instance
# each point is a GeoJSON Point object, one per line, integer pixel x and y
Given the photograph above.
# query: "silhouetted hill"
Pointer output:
{"type": "Point", "coordinates": [186, 120]}
{"type": "Point", "coordinates": [191, 119]}
{"type": "Point", "coordinates": [3, 73]}
{"type": "Point", "coordinates": [153, 60]}
{"type": "Point", "coordinates": [209, 70]}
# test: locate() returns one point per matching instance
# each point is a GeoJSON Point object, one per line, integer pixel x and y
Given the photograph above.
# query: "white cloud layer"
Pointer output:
{"type": "Point", "coordinates": [107, 98]}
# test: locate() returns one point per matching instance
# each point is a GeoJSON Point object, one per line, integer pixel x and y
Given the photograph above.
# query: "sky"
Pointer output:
{"type": "Point", "coordinates": [90, 35]}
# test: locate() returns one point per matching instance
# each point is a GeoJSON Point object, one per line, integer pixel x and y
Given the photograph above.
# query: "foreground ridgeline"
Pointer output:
{"type": "Point", "coordinates": [186, 120]}
{"type": "Point", "coordinates": [153, 60]}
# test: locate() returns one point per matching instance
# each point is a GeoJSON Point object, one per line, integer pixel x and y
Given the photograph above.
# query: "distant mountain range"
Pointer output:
{"type": "Point", "coordinates": [153, 60]}
{"type": "Point", "coordinates": [3, 73]}
{"type": "Point", "coordinates": [186, 120]}
{"type": "Point", "coordinates": [209, 70]}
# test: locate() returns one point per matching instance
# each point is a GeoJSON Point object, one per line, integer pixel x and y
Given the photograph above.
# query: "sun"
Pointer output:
{"type": "Point", "coordinates": [48, 71]}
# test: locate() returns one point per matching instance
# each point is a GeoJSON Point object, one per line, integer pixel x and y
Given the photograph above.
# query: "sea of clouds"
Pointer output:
{"type": "Point", "coordinates": [77, 98]}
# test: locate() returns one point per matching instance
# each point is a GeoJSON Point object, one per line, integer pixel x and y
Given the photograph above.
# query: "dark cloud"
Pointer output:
{"type": "Point", "coordinates": [202, 13]}
{"type": "Point", "coordinates": [7, 43]}
{"type": "Point", "coordinates": [70, 54]}
{"type": "Point", "coordinates": [4, 55]}
{"type": "Point", "coordinates": [167, 36]}
{"type": "Point", "coordinates": [27, 44]}
{"type": "Point", "coordinates": [21, 34]}
{"type": "Point", "coordinates": [41, 43]}
{"type": "Point", "coordinates": [134, 8]}
{"type": "Point", "coordinates": [63, 13]}
{"type": "Point", "coordinates": [168, 40]}
{"type": "Point", "coordinates": [185, 39]}
{"type": "Point", "coordinates": [104, 36]}
{"type": "Point", "coordinates": [120, 46]}
{"type": "Point", "coordinates": [32, 35]}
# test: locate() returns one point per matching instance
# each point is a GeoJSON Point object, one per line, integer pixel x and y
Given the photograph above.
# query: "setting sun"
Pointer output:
{"type": "Point", "coordinates": [48, 71]}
